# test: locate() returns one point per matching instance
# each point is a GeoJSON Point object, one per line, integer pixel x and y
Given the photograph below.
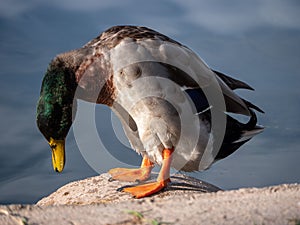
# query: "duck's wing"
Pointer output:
{"type": "Point", "coordinates": [185, 67]}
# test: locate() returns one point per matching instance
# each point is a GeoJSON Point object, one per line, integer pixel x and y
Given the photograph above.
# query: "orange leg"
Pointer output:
{"type": "Point", "coordinates": [140, 174]}
{"type": "Point", "coordinates": [163, 179]}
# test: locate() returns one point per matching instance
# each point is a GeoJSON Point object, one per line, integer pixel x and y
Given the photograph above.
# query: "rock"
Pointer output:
{"type": "Point", "coordinates": [99, 189]}
{"type": "Point", "coordinates": [275, 205]}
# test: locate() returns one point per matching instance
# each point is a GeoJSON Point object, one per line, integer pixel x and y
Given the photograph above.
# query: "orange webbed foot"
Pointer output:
{"type": "Point", "coordinates": [145, 190]}
{"type": "Point", "coordinates": [131, 175]}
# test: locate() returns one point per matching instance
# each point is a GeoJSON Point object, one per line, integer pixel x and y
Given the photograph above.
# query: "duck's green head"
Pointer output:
{"type": "Point", "coordinates": [54, 109]}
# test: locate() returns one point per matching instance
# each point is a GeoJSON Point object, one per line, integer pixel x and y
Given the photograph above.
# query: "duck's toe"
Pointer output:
{"type": "Point", "coordinates": [131, 175]}
{"type": "Point", "coordinates": [145, 190]}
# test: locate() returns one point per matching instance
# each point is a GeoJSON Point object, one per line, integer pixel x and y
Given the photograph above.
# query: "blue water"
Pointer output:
{"type": "Point", "coordinates": [257, 42]}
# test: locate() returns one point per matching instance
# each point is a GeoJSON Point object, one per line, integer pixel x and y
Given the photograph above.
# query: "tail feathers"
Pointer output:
{"type": "Point", "coordinates": [228, 149]}
{"type": "Point", "coordinates": [237, 84]}
{"type": "Point", "coordinates": [233, 83]}
{"type": "Point", "coordinates": [248, 134]}
{"type": "Point", "coordinates": [252, 106]}
{"type": "Point", "coordinates": [238, 134]}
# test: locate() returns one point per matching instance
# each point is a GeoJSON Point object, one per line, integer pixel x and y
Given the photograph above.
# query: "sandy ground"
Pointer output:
{"type": "Point", "coordinates": [186, 201]}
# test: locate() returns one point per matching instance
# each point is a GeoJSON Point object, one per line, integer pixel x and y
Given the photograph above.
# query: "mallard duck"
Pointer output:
{"type": "Point", "coordinates": [175, 110]}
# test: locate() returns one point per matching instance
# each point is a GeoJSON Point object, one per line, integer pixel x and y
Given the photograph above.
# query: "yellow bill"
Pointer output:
{"type": "Point", "coordinates": [58, 154]}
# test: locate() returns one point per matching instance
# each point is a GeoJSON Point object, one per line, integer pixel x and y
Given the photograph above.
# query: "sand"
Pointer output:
{"type": "Point", "coordinates": [187, 201]}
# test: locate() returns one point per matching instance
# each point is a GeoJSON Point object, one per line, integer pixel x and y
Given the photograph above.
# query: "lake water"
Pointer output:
{"type": "Point", "coordinates": [257, 42]}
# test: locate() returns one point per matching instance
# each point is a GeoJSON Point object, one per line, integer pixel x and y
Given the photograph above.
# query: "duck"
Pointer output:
{"type": "Point", "coordinates": [175, 110]}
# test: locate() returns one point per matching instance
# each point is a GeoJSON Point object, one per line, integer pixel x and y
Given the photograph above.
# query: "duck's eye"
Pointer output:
{"type": "Point", "coordinates": [53, 146]}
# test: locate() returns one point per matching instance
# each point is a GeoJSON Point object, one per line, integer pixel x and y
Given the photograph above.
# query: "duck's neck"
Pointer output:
{"type": "Point", "coordinates": [94, 77]}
